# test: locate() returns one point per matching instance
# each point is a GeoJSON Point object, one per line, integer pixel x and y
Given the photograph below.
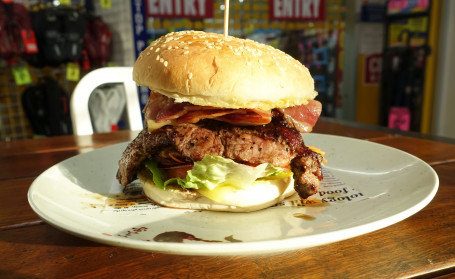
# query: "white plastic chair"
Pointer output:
{"type": "Point", "coordinates": [80, 114]}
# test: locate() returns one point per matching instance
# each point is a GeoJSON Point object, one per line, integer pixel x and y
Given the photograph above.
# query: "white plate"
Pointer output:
{"type": "Point", "coordinates": [395, 185]}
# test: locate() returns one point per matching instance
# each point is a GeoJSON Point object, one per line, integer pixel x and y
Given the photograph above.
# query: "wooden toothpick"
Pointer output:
{"type": "Point", "coordinates": [226, 17]}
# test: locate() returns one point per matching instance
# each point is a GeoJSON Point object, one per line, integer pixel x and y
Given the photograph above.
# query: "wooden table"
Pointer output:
{"type": "Point", "coordinates": [421, 245]}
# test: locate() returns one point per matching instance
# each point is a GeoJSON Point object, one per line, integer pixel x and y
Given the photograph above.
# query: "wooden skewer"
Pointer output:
{"type": "Point", "coordinates": [226, 17]}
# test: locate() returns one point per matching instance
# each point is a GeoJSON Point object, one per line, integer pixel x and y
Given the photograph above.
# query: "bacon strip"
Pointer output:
{"type": "Point", "coordinates": [194, 116]}
{"type": "Point", "coordinates": [249, 117]}
{"type": "Point", "coordinates": [303, 117]}
{"type": "Point", "coordinates": [155, 104]}
{"type": "Point", "coordinates": [161, 109]}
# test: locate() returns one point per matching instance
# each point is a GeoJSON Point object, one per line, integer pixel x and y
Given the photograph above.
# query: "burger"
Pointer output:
{"type": "Point", "coordinates": [223, 125]}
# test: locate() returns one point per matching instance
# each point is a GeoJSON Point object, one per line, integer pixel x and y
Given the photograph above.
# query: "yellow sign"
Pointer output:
{"type": "Point", "coordinates": [65, 2]}
{"type": "Point", "coordinates": [72, 72]}
{"type": "Point", "coordinates": [21, 75]}
{"type": "Point", "coordinates": [413, 30]}
{"type": "Point", "coordinates": [106, 4]}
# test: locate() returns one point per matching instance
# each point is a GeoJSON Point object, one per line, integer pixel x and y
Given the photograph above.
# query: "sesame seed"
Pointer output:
{"type": "Point", "coordinates": [157, 57]}
{"type": "Point", "coordinates": [186, 52]}
{"type": "Point", "coordinates": [158, 49]}
{"type": "Point", "coordinates": [161, 60]}
{"type": "Point", "coordinates": [148, 52]}
{"type": "Point", "coordinates": [165, 63]}
{"type": "Point", "coordinates": [190, 75]}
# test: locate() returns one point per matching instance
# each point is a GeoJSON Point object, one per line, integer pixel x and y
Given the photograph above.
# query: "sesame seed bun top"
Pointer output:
{"type": "Point", "coordinates": [223, 71]}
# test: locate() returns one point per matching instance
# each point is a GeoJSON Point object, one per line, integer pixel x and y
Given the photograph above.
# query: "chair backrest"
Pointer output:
{"type": "Point", "coordinates": [80, 114]}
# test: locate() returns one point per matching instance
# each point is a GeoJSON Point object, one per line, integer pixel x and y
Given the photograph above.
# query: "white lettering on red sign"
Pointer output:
{"type": "Point", "coordinates": [138, 26]}
{"type": "Point", "coordinates": [373, 68]}
{"type": "Point", "coordinates": [297, 9]}
{"type": "Point", "coordinates": [180, 8]}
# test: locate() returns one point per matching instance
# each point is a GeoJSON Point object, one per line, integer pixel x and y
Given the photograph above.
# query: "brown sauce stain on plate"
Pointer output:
{"type": "Point", "coordinates": [132, 195]}
{"type": "Point", "coordinates": [122, 201]}
{"type": "Point", "coordinates": [304, 216]}
{"type": "Point", "coordinates": [312, 202]}
{"type": "Point", "coordinates": [176, 236]}
{"type": "Point", "coordinates": [231, 238]}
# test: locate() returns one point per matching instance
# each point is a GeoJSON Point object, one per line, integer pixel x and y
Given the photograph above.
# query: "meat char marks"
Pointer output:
{"type": "Point", "coordinates": [276, 143]}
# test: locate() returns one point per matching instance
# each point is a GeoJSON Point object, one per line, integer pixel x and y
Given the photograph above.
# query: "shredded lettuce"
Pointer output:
{"type": "Point", "coordinates": [215, 171]}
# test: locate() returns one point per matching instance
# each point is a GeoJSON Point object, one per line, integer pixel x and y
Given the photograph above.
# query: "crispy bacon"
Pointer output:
{"type": "Point", "coordinates": [155, 105]}
{"type": "Point", "coordinates": [161, 109]}
{"type": "Point", "coordinates": [185, 110]}
{"type": "Point", "coordinates": [194, 116]}
{"type": "Point", "coordinates": [303, 117]}
{"type": "Point", "coordinates": [245, 117]}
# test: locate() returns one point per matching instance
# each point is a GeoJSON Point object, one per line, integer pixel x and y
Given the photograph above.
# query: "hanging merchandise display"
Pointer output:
{"type": "Point", "coordinates": [60, 35]}
{"type": "Point", "coordinates": [97, 40]}
{"type": "Point", "coordinates": [406, 49]}
{"type": "Point", "coordinates": [17, 38]}
{"type": "Point", "coordinates": [45, 48]}
{"type": "Point", "coordinates": [47, 108]}
{"type": "Point", "coordinates": [48, 35]}
{"type": "Point", "coordinates": [319, 53]}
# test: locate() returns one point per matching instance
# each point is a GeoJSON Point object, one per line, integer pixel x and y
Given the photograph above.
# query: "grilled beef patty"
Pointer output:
{"type": "Point", "coordinates": [275, 143]}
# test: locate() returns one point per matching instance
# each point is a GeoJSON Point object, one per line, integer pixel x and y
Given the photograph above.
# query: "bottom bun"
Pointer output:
{"type": "Point", "coordinates": [259, 195]}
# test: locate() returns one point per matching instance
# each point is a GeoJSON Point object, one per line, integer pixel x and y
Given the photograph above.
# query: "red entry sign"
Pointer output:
{"type": "Point", "coordinates": [180, 8]}
{"type": "Point", "coordinates": [303, 10]}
